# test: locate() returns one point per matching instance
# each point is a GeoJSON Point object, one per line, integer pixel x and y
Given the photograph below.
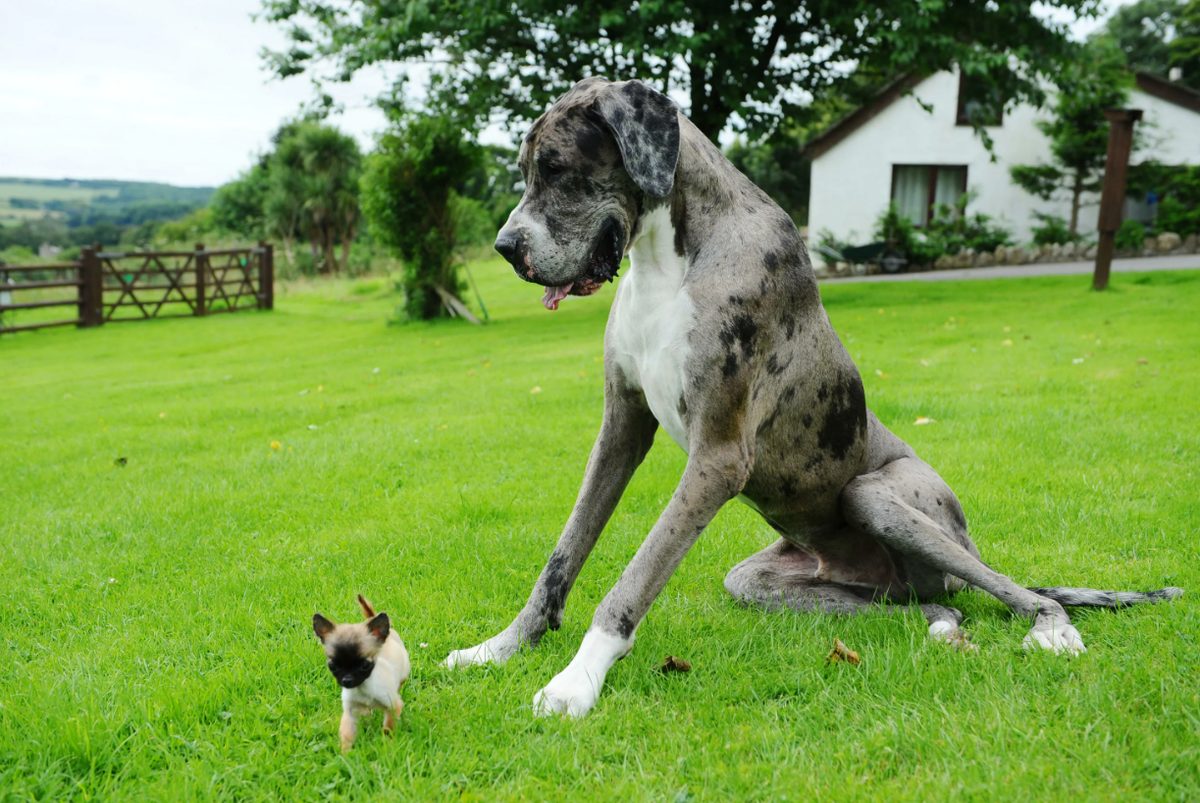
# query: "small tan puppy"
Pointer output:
{"type": "Point", "coordinates": [370, 663]}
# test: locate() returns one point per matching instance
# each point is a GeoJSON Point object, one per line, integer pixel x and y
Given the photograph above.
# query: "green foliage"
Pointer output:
{"type": "Point", "coordinates": [1052, 231]}
{"type": "Point", "coordinates": [496, 184]}
{"type": "Point", "coordinates": [1130, 236]}
{"type": "Point", "coordinates": [951, 231]}
{"type": "Point", "coordinates": [1078, 130]}
{"type": "Point", "coordinates": [1174, 216]}
{"type": "Point", "coordinates": [238, 206]}
{"type": "Point", "coordinates": [1143, 29]}
{"type": "Point", "coordinates": [1185, 47]}
{"type": "Point", "coordinates": [735, 61]}
{"type": "Point", "coordinates": [1178, 191]}
{"type": "Point", "coordinates": [410, 201]}
{"type": "Point", "coordinates": [780, 169]}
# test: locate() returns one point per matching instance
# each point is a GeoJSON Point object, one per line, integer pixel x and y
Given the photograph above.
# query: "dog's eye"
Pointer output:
{"type": "Point", "coordinates": [550, 170]}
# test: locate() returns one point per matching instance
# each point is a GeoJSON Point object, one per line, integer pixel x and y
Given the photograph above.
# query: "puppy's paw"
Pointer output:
{"type": "Point", "coordinates": [495, 650]}
{"type": "Point", "coordinates": [572, 692]}
{"type": "Point", "coordinates": [1056, 635]}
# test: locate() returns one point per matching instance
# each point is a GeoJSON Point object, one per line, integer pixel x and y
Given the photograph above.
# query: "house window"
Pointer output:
{"type": "Point", "coordinates": [918, 190]}
{"type": "Point", "coordinates": [978, 102]}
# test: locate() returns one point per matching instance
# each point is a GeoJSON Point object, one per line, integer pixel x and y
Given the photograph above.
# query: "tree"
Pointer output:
{"type": "Point", "coordinates": [1143, 29]}
{"type": "Point", "coordinates": [753, 63]}
{"type": "Point", "coordinates": [1185, 47]}
{"type": "Point", "coordinates": [409, 200]}
{"type": "Point", "coordinates": [1078, 130]}
{"type": "Point", "coordinates": [238, 205]}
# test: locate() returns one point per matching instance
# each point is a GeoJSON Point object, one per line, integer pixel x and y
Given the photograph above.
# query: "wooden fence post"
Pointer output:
{"type": "Point", "coordinates": [200, 265]}
{"type": "Point", "coordinates": [91, 289]}
{"type": "Point", "coordinates": [266, 276]}
{"type": "Point", "coordinates": [1112, 196]}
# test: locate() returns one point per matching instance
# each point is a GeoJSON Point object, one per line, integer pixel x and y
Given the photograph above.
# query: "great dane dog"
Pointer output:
{"type": "Point", "coordinates": [717, 334]}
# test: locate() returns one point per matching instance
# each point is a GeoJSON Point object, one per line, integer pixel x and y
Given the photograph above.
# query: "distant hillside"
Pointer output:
{"type": "Point", "coordinates": [89, 201]}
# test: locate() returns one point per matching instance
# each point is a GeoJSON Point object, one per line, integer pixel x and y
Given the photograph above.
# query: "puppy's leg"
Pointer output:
{"type": "Point", "coordinates": [878, 503]}
{"type": "Point", "coordinates": [625, 436]}
{"type": "Point", "coordinates": [392, 714]}
{"type": "Point", "coordinates": [713, 476]}
{"type": "Point", "coordinates": [348, 729]}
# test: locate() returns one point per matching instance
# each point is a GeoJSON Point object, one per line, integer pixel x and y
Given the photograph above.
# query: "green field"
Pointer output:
{"type": "Point", "coordinates": [48, 192]}
{"type": "Point", "coordinates": [155, 615]}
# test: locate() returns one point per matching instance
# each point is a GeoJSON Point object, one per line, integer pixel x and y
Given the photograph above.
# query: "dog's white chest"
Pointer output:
{"type": "Point", "coordinates": [648, 336]}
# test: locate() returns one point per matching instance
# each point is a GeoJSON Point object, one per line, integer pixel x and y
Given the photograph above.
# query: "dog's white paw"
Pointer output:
{"type": "Point", "coordinates": [492, 651]}
{"type": "Point", "coordinates": [572, 692]}
{"type": "Point", "coordinates": [1055, 635]}
{"type": "Point", "coordinates": [575, 690]}
{"type": "Point", "coordinates": [949, 633]}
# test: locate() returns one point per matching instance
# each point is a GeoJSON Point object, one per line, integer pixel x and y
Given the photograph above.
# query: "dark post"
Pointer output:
{"type": "Point", "coordinates": [200, 265]}
{"type": "Point", "coordinates": [266, 276]}
{"type": "Point", "coordinates": [91, 289]}
{"type": "Point", "coordinates": [1112, 196]}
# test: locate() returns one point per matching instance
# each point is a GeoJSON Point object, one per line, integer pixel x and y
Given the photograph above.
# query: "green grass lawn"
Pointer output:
{"type": "Point", "coordinates": [155, 617]}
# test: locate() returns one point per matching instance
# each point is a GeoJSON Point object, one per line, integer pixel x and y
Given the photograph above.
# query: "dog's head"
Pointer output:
{"type": "Point", "coordinates": [350, 650]}
{"type": "Point", "coordinates": [588, 163]}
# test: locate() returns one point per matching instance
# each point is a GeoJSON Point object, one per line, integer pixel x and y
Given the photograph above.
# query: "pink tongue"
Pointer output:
{"type": "Point", "coordinates": [554, 295]}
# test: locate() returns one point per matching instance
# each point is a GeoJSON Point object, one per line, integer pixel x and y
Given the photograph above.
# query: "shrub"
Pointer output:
{"type": "Point", "coordinates": [950, 231]}
{"type": "Point", "coordinates": [1131, 236]}
{"type": "Point", "coordinates": [1053, 231]}
{"type": "Point", "coordinates": [1173, 215]}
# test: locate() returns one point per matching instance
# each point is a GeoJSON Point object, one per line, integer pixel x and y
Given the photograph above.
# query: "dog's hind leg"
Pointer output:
{"type": "Point", "coordinates": [882, 504]}
{"type": "Point", "coordinates": [785, 576]}
{"type": "Point", "coordinates": [626, 435]}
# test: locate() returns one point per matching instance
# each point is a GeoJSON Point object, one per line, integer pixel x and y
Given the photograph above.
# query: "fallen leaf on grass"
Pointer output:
{"type": "Point", "coordinates": [841, 652]}
{"type": "Point", "coordinates": [925, 363]}
{"type": "Point", "coordinates": [673, 664]}
{"type": "Point", "coordinates": [1142, 361]}
{"type": "Point", "coordinates": [121, 462]}
{"type": "Point", "coordinates": [922, 420]}
{"type": "Point", "coordinates": [536, 389]}
{"type": "Point", "coordinates": [162, 415]}
{"type": "Point", "coordinates": [1006, 342]}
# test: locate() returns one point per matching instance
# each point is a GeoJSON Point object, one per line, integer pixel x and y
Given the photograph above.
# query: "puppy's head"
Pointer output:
{"type": "Point", "coordinates": [589, 164]}
{"type": "Point", "coordinates": [350, 650]}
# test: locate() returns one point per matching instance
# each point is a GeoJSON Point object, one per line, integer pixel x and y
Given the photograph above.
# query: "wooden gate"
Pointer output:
{"type": "Point", "coordinates": [118, 286]}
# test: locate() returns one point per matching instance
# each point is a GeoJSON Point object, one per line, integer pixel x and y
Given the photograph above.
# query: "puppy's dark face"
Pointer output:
{"type": "Point", "coordinates": [350, 650]}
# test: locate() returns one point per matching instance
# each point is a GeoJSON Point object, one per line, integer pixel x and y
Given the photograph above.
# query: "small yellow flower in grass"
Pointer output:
{"type": "Point", "coordinates": [1008, 328]}
{"type": "Point", "coordinates": [320, 388]}
{"type": "Point", "coordinates": [1006, 342]}
{"type": "Point", "coordinates": [922, 420]}
{"type": "Point", "coordinates": [487, 365]}
{"type": "Point", "coordinates": [444, 426]}
{"type": "Point", "coordinates": [162, 415]}
{"type": "Point", "coordinates": [583, 373]}
{"type": "Point", "coordinates": [881, 373]}
{"type": "Point", "coordinates": [290, 448]}
{"type": "Point", "coordinates": [536, 389]}
{"type": "Point", "coordinates": [276, 445]}
{"type": "Point", "coordinates": [880, 311]}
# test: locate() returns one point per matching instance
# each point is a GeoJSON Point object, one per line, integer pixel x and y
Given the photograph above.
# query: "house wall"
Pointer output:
{"type": "Point", "coordinates": [851, 182]}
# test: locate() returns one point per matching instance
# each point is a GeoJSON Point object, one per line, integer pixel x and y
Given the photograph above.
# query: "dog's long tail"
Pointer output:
{"type": "Point", "coordinates": [369, 612]}
{"type": "Point", "coordinates": [1091, 598]}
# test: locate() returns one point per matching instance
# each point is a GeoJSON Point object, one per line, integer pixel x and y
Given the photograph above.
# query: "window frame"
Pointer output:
{"type": "Point", "coordinates": [933, 168]}
{"type": "Point", "coordinates": [960, 114]}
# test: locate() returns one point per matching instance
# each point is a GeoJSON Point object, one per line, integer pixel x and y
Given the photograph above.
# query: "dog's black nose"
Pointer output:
{"type": "Point", "coordinates": [508, 244]}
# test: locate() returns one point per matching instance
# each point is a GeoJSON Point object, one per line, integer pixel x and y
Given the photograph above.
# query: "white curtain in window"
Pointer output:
{"type": "Point", "coordinates": [911, 193]}
{"type": "Point", "coordinates": [949, 187]}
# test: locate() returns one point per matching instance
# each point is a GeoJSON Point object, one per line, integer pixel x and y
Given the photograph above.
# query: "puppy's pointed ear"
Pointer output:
{"type": "Point", "coordinates": [379, 626]}
{"type": "Point", "coordinates": [645, 123]}
{"type": "Point", "coordinates": [322, 626]}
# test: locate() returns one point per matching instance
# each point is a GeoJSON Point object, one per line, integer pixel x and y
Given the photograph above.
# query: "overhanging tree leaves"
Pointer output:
{"type": "Point", "coordinates": [1078, 131]}
{"type": "Point", "coordinates": [409, 200]}
{"type": "Point", "coordinates": [755, 62]}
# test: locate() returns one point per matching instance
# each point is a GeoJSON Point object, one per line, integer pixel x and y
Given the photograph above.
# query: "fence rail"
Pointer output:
{"type": "Point", "coordinates": [120, 286]}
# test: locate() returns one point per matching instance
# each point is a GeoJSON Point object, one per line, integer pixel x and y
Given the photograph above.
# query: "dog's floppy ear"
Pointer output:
{"type": "Point", "coordinates": [380, 626]}
{"type": "Point", "coordinates": [322, 626]}
{"type": "Point", "coordinates": [645, 124]}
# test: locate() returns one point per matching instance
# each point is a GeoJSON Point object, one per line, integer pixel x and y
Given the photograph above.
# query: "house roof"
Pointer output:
{"type": "Point", "coordinates": [855, 120]}
{"type": "Point", "coordinates": [1149, 83]}
{"type": "Point", "coordinates": [1169, 91]}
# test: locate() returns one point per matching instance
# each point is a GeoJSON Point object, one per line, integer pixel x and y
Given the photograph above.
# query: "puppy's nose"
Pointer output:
{"type": "Point", "coordinates": [508, 244]}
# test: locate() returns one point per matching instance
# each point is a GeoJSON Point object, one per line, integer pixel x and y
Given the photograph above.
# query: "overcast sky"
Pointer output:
{"type": "Point", "coordinates": [150, 90]}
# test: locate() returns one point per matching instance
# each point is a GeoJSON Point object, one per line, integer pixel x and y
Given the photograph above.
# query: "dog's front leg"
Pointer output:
{"type": "Point", "coordinates": [348, 729]}
{"type": "Point", "coordinates": [626, 435]}
{"type": "Point", "coordinates": [712, 478]}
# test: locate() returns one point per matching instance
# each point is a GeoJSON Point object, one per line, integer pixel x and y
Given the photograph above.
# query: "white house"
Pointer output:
{"type": "Point", "coordinates": [893, 149]}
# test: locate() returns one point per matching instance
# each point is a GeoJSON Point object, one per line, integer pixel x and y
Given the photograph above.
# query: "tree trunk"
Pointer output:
{"type": "Point", "coordinates": [1076, 191]}
{"type": "Point", "coordinates": [316, 255]}
{"type": "Point", "coordinates": [347, 239]}
{"type": "Point", "coordinates": [287, 250]}
{"type": "Point", "coordinates": [330, 261]}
